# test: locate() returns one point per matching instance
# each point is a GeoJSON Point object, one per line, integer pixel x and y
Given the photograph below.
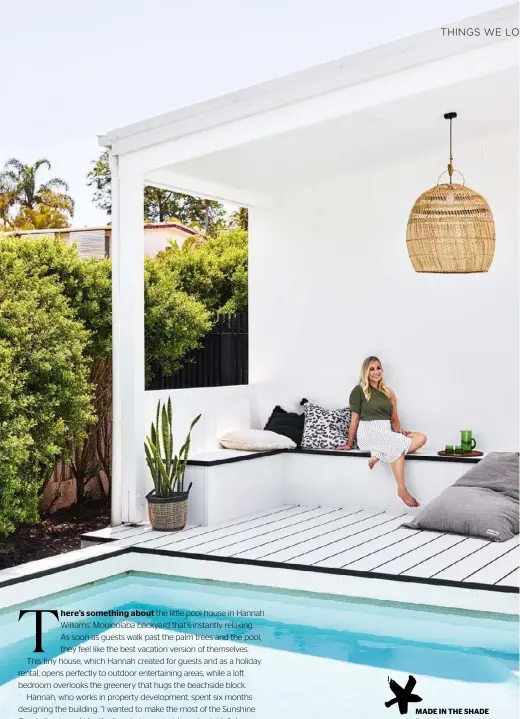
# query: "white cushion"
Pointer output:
{"type": "Point", "coordinates": [255, 440]}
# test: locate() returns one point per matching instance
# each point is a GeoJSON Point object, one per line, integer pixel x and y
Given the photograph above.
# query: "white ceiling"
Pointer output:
{"type": "Point", "coordinates": [398, 129]}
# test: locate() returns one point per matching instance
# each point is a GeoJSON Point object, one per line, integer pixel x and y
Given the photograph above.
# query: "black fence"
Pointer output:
{"type": "Point", "coordinates": [222, 360]}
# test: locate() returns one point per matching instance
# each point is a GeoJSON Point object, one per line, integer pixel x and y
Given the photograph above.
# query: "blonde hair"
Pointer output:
{"type": "Point", "coordinates": [365, 384]}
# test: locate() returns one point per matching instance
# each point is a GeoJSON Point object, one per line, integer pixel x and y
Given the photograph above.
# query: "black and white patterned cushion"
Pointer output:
{"type": "Point", "coordinates": [325, 428]}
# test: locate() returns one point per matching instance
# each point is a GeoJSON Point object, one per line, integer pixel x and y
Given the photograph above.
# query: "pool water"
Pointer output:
{"type": "Point", "coordinates": [460, 646]}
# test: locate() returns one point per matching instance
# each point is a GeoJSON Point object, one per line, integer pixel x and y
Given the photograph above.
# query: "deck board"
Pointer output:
{"type": "Point", "coordinates": [337, 539]}
{"type": "Point", "coordinates": [297, 524]}
{"type": "Point", "coordinates": [512, 579]}
{"type": "Point", "coordinates": [407, 548]}
{"type": "Point", "coordinates": [277, 549]}
{"type": "Point", "coordinates": [445, 556]}
{"type": "Point", "coordinates": [376, 534]}
{"type": "Point", "coordinates": [432, 543]}
{"type": "Point", "coordinates": [478, 557]}
{"type": "Point", "coordinates": [496, 569]}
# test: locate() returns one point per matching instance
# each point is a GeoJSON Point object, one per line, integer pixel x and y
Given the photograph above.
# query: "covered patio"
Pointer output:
{"type": "Point", "coordinates": [329, 162]}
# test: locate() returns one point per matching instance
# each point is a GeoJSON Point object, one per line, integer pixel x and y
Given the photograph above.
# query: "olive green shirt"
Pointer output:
{"type": "Point", "coordinates": [378, 407]}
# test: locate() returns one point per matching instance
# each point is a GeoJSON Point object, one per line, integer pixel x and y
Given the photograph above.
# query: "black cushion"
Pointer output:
{"type": "Point", "coordinates": [290, 424]}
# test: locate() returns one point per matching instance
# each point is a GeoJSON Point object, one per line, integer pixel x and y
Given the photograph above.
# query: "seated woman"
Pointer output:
{"type": "Point", "coordinates": [375, 421]}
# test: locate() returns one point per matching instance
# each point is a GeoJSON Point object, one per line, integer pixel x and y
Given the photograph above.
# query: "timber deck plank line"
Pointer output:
{"type": "Point", "coordinates": [374, 537]}
{"type": "Point", "coordinates": [228, 533]}
{"type": "Point", "coordinates": [262, 545]}
{"type": "Point", "coordinates": [355, 529]}
{"type": "Point", "coordinates": [296, 522]}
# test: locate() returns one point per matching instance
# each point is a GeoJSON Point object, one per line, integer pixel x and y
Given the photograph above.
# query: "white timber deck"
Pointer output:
{"type": "Point", "coordinates": [370, 544]}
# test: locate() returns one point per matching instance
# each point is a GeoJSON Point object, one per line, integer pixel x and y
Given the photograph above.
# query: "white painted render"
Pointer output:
{"type": "Point", "coordinates": [330, 162]}
{"type": "Point", "coordinates": [331, 283]}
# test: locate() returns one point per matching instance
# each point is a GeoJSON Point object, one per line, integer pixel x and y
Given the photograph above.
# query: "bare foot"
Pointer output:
{"type": "Point", "coordinates": [407, 498]}
{"type": "Point", "coordinates": [372, 462]}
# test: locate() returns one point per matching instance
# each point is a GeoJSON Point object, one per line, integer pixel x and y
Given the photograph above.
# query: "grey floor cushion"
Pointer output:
{"type": "Point", "coordinates": [481, 503]}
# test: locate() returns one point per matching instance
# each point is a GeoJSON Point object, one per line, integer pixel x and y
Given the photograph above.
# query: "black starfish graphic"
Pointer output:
{"type": "Point", "coordinates": [403, 696]}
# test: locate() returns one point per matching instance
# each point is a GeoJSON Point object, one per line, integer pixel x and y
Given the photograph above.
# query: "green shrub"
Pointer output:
{"type": "Point", "coordinates": [45, 397]}
{"type": "Point", "coordinates": [214, 272]}
{"type": "Point", "coordinates": [86, 284]}
{"type": "Point", "coordinates": [174, 322]}
{"type": "Point", "coordinates": [56, 328]}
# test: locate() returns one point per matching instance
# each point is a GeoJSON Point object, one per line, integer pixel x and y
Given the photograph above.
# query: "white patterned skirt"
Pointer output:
{"type": "Point", "coordinates": [377, 437]}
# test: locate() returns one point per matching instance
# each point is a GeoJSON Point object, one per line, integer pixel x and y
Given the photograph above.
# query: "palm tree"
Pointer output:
{"type": "Point", "coordinates": [21, 179]}
{"type": "Point", "coordinates": [239, 218]}
{"type": "Point", "coordinates": [7, 200]}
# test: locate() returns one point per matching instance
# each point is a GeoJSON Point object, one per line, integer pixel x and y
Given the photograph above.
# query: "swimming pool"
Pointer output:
{"type": "Point", "coordinates": [316, 653]}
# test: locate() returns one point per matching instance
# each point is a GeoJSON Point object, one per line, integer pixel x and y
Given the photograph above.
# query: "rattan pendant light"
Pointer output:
{"type": "Point", "coordinates": [451, 228]}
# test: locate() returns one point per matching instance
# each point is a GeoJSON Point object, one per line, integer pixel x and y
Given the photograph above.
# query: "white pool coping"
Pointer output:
{"type": "Point", "coordinates": [41, 578]}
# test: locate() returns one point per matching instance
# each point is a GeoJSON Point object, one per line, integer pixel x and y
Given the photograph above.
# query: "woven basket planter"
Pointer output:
{"type": "Point", "coordinates": [168, 514]}
{"type": "Point", "coordinates": [451, 230]}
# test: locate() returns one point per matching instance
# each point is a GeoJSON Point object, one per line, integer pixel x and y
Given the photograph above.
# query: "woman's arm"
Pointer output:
{"type": "Point", "coordinates": [354, 421]}
{"type": "Point", "coordinates": [396, 424]}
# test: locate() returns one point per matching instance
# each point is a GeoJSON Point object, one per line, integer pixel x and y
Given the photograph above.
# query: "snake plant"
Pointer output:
{"type": "Point", "coordinates": [167, 469]}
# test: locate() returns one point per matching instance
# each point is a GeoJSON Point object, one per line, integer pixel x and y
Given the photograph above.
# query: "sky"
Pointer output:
{"type": "Point", "coordinates": [73, 70]}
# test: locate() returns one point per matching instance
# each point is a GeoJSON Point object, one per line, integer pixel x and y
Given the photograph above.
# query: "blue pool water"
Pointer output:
{"type": "Point", "coordinates": [461, 646]}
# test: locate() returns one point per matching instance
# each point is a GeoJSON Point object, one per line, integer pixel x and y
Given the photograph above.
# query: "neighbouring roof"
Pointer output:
{"type": "Point", "coordinates": [68, 230]}
{"type": "Point", "coordinates": [175, 225]}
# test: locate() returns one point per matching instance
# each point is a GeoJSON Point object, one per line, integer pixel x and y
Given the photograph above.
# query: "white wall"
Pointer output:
{"type": "Point", "coordinates": [222, 409]}
{"type": "Point", "coordinates": [331, 283]}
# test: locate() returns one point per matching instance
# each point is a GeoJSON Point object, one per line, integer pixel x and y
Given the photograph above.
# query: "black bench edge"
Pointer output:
{"type": "Point", "coordinates": [230, 460]}
{"type": "Point", "coordinates": [329, 452]}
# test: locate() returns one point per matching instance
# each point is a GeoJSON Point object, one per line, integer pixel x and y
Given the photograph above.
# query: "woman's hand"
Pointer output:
{"type": "Point", "coordinates": [397, 428]}
{"type": "Point", "coordinates": [344, 447]}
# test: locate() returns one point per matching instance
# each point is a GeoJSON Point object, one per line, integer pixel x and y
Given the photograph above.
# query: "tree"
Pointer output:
{"type": "Point", "coordinates": [215, 272]}
{"type": "Point", "coordinates": [174, 322]}
{"type": "Point", "coordinates": [206, 215]}
{"type": "Point", "coordinates": [45, 401]}
{"type": "Point", "coordinates": [52, 212]}
{"type": "Point", "coordinates": [18, 497]}
{"type": "Point", "coordinates": [55, 347]}
{"type": "Point", "coordinates": [159, 205]}
{"type": "Point", "coordinates": [7, 201]}
{"type": "Point", "coordinates": [239, 219]}
{"type": "Point", "coordinates": [86, 286]}
{"type": "Point", "coordinates": [44, 206]}
{"type": "Point", "coordinates": [100, 178]}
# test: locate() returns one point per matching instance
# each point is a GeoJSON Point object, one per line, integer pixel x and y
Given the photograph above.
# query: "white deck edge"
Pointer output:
{"type": "Point", "coordinates": [251, 575]}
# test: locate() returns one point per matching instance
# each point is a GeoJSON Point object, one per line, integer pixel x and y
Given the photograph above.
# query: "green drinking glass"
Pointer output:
{"type": "Point", "coordinates": [448, 449]}
{"type": "Point", "coordinates": [458, 450]}
{"type": "Point", "coordinates": [467, 442]}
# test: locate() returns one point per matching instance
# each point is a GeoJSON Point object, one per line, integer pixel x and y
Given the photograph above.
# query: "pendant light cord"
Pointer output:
{"type": "Point", "coordinates": [449, 116]}
{"type": "Point", "coordinates": [450, 166]}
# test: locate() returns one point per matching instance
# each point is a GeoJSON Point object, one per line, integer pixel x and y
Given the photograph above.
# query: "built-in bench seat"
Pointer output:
{"type": "Point", "coordinates": [228, 484]}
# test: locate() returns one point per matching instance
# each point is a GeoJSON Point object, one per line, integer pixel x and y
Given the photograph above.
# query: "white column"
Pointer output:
{"type": "Point", "coordinates": [127, 252]}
